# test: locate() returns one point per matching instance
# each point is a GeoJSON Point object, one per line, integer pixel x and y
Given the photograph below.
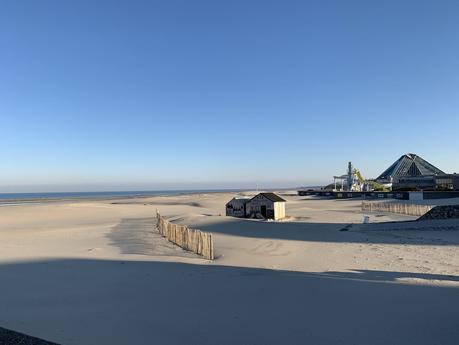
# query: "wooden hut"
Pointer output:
{"type": "Point", "coordinates": [236, 207]}
{"type": "Point", "coordinates": [266, 205]}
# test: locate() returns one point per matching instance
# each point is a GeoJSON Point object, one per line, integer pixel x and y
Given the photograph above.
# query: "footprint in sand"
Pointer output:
{"type": "Point", "coordinates": [270, 248]}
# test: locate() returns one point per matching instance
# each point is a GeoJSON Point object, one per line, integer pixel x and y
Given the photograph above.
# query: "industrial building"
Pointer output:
{"type": "Point", "coordinates": [447, 182]}
{"type": "Point", "coordinates": [443, 182]}
{"type": "Point", "coordinates": [410, 168]}
{"type": "Point", "coordinates": [352, 181]}
{"type": "Point", "coordinates": [413, 173]}
{"type": "Point", "coordinates": [263, 205]}
{"type": "Point", "coordinates": [408, 173]}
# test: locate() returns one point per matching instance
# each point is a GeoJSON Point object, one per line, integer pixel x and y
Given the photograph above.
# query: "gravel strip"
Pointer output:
{"type": "Point", "coordinates": [8, 337]}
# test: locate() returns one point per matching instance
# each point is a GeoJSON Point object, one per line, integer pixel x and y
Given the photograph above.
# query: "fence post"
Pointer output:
{"type": "Point", "coordinates": [193, 240]}
{"type": "Point", "coordinates": [400, 208]}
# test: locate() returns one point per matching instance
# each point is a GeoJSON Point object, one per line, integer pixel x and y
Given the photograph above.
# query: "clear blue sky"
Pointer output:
{"type": "Point", "coordinates": [209, 94]}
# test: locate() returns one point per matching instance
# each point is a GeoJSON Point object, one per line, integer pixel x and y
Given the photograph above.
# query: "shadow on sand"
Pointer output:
{"type": "Point", "coordinates": [328, 232]}
{"type": "Point", "coordinates": [134, 302]}
{"type": "Point", "coordinates": [139, 236]}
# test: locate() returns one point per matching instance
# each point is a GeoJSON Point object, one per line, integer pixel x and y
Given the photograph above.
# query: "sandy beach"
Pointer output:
{"type": "Point", "coordinates": [97, 272]}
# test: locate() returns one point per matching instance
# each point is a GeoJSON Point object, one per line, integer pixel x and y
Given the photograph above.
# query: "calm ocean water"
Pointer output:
{"type": "Point", "coordinates": [14, 197]}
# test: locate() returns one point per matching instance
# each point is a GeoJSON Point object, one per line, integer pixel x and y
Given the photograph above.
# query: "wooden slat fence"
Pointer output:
{"type": "Point", "coordinates": [196, 241]}
{"type": "Point", "coordinates": [400, 208]}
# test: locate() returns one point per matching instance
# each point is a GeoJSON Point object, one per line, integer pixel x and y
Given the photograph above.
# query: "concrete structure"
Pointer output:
{"type": "Point", "coordinates": [236, 207]}
{"type": "Point", "coordinates": [447, 182]}
{"type": "Point", "coordinates": [266, 205]}
{"type": "Point", "coordinates": [263, 205]}
{"type": "Point", "coordinates": [415, 196]}
{"type": "Point", "coordinates": [443, 182]}
{"type": "Point", "coordinates": [414, 183]}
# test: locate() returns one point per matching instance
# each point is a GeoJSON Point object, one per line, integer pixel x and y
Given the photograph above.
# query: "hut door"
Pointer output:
{"type": "Point", "coordinates": [263, 210]}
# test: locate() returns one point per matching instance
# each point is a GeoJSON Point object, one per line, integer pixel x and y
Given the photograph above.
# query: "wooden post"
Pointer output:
{"type": "Point", "coordinates": [193, 240]}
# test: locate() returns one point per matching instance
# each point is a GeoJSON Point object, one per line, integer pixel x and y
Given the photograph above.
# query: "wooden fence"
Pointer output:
{"type": "Point", "coordinates": [392, 207]}
{"type": "Point", "coordinates": [196, 241]}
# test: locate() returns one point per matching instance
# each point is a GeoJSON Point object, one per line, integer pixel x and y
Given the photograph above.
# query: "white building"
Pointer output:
{"type": "Point", "coordinates": [236, 207]}
{"type": "Point", "coordinates": [268, 205]}
{"type": "Point", "coordinates": [263, 205]}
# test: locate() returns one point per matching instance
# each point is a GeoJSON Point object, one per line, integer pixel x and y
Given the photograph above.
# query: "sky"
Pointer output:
{"type": "Point", "coordinates": [131, 95]}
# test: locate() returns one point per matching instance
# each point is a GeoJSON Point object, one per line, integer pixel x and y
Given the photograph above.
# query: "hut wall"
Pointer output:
{"type": "Point", "coordinates": [279, 210]}
{"type": "Point", "coordinates": [236, 208]}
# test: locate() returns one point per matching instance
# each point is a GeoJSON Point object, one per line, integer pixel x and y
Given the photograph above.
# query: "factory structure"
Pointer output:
{"type": "Point", "coordinates": [411, 172]}
{"type": "Point", "coordinates": [262, 206]}
{"type": "Point", "coordinates": [408, 173]}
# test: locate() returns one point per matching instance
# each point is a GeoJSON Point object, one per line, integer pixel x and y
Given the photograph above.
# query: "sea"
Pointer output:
{"type": "Point", "coordinates": [20, 198]}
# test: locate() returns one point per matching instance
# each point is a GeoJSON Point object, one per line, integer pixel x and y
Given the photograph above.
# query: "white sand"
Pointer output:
{"type": "Point", "coordinates": [95, 272]}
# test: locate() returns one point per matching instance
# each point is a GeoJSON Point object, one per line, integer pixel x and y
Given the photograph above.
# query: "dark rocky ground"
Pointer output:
{"type": "Point", "coordinates": [442, 212]}
{"type": "Point", "coordinates": [8, 337]}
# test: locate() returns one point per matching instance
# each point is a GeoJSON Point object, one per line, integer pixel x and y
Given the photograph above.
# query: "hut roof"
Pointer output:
{"type": "Point", "coordinates": [273, 197]}
{"type": "Point", "coordinates": [243, 199]}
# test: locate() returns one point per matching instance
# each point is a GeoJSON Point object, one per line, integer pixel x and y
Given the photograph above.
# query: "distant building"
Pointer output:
{"type": "Point", "coordinates": [443, 182]}
{"type": "Point", "coordinates": [409, 173]}
{"type": "Point", "coordinates": [409, 169]}
{"type": "Point", "coordinates": [265, 205]}
{"type": "Point", "coordinates": [414, 183]}
{"type": "Point", "coordinates": [236, 207]}
{"type": "Point", "coordinates": [447, 182]}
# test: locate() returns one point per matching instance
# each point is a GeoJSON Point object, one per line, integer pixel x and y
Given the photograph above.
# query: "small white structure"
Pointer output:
{"type": "Point", "coordinates": [266, 205]}
{"type": "Point", "coordinates": [236, 207]}
{"type": "Point", "coordinates": [416, 196]}
{"type": "Point", "coordinates": [263, 205]}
